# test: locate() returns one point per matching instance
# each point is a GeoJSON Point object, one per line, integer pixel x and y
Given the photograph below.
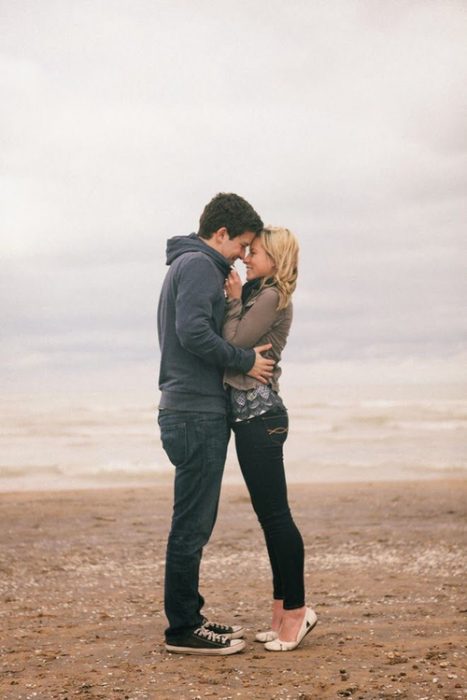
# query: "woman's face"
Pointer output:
{"type": "Point", "coordinates": [258, 263]}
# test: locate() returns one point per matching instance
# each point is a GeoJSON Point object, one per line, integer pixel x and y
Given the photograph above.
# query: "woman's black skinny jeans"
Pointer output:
{"type": "Point", "coordinates": [259, 443]}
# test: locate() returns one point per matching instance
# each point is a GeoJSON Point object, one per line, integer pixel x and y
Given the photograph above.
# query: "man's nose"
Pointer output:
{"type": "Point", "coordinates": [241, 255]}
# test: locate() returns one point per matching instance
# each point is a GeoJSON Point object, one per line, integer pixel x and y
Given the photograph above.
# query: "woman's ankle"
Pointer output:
{"type": "Point", "coordinates": [292, 621]}
{"type": "Point", "coordinates": [295, 613]}
{"type": "Point", "coordinates": [277, 612]}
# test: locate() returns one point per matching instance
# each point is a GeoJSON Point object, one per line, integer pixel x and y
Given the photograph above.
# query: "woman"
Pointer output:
{"type": "Point", "coordinates": [261, 313]}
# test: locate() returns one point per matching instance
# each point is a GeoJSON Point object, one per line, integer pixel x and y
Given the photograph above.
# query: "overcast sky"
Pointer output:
{"type": "Point", "coordinates": [343, 120]}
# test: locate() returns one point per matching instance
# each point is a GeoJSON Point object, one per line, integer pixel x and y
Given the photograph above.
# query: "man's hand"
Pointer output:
{"type": "Point", "coordinates": [262, 369]}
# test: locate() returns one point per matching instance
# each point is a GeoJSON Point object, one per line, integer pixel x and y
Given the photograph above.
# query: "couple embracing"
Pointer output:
{"type": "Point", "coordinates": [220, 348]}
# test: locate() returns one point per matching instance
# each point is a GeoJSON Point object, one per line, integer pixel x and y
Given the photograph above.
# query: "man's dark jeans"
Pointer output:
{"type": "Point", "coordinates": [196, 444]}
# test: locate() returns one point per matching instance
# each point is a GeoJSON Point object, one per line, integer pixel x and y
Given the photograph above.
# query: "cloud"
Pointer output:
{"type": "Point", "coordinates": [343, 120]}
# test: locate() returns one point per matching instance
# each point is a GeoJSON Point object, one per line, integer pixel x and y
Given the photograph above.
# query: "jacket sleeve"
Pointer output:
{"type": "Point", "coordinates": [246, 329]}
{"type": "Point", "coordinates": [197, 289]}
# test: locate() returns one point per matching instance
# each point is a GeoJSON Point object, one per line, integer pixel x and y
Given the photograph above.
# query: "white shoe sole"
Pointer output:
{"type": "Point", "coordinates": [222, 651]}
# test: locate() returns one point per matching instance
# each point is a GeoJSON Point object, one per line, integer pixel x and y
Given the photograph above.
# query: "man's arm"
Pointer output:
{"type": "Point", "coordinates": [196, 290]}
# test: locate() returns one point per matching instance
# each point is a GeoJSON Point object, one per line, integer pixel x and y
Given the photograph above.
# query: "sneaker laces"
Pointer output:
{"type": "Point", "coordinates": [210, 635]}
{"type": "Point", "coordinates": [219, 626]}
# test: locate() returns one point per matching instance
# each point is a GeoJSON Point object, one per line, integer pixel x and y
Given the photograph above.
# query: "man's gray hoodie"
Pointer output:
{"type": "Point", "coordinates": [189, 320]}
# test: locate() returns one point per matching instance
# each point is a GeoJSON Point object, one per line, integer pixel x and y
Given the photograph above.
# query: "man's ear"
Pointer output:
{"type": "Point", "coordinates": [221, 233]}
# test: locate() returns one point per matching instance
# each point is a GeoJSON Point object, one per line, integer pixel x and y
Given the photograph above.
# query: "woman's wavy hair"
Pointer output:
{"type": "Point", "coordinates": [282, 247]}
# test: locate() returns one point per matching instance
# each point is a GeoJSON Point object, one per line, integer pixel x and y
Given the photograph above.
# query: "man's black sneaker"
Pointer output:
{"type": "Point", "coordinates": [204, 641]}
{"type": "Point", "coordinates": [229, 631]}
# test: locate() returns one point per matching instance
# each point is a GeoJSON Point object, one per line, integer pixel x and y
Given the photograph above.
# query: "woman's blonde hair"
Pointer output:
{"type": "Point", "coordinates": [282, 247]}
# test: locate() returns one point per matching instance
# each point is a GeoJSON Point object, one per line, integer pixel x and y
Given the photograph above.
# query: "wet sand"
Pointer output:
{"type": "Point", "coordinates": [81, 578]}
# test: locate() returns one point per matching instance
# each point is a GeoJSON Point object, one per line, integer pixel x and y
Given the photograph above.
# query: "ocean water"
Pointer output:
{"type": "Point", "coordinates": [336, 434]}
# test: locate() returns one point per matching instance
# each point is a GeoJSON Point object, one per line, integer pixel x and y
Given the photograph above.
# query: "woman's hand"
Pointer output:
{"type": "Point", "coordinates": [233, 285]}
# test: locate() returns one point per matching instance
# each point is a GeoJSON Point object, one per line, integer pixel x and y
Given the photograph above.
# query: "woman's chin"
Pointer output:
{"type": "Point", "coordinates": [250, 276]}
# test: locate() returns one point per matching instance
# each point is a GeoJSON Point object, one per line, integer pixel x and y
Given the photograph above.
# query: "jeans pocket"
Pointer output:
{"type": "Point", "coordinates": [174, 442]}
{"type": "Point", "coordinates": [276, 427]}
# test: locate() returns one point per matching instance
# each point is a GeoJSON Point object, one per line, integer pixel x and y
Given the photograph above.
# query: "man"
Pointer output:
{"type": "Point", "coordinates": [193, 407]}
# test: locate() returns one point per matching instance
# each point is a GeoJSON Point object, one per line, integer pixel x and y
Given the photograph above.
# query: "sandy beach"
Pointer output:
{"type": "Point", "coordinates": [81, 577]}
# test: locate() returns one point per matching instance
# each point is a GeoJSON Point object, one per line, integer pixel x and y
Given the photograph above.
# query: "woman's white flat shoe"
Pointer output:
{"type": "Point", "coordinates": [268, 636]}
{"type": "Point", "coordinates": [309, 621]}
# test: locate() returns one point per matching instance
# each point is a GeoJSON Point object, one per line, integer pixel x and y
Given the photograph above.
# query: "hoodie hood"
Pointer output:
{"type": "Point", "coordinates": [179, 245]}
